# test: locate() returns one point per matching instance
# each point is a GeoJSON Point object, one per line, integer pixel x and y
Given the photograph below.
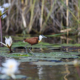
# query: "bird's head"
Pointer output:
{"type": "Point", "coordinates": [41, 36]}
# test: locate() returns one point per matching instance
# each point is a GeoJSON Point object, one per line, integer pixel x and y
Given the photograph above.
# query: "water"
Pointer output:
{"type": "Point", "coordinates": [34, 72]}
{"type": "Point", "coordinates": [47, 72]}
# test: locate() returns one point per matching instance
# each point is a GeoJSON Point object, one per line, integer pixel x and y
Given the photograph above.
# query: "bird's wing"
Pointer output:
{"type": "Point", "coordinates": [33, 40]}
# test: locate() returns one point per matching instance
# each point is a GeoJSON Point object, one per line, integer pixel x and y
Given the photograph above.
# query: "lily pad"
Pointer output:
{"type": "Point", "coordinates": [52, 63]}
{"type": "Point", "coordinates": [17, 76]}
{"type": "Point", "coordinates": [32, 59]}
{"type": "Point", "coordinates": [14, 55]}
{"type": "Point", "coordinates": [58, 55]}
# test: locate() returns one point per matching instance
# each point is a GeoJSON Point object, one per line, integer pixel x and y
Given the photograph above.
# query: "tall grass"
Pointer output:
{"type": "Point", "coordinates": [67, 15]}
{"type": "Point", "coordinates": [42, 16]}
{"type": "Point", "coordinates": [32, 4]}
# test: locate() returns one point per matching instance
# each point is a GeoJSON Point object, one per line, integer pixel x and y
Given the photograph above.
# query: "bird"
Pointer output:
{"type": "Point", "coordinates": [34, 40]}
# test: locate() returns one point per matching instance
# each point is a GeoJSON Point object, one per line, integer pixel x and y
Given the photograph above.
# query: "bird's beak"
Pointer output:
{"type": "Point", "coordinates": [44, 37]}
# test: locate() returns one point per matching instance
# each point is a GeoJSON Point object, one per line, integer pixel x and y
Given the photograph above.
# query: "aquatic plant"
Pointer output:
{"type": "Point", "coordinates": [3, 15]}
{"type": "Point", "coordinates": [10, 67]}
{"type": "Point", "coordinates": [8, 43]}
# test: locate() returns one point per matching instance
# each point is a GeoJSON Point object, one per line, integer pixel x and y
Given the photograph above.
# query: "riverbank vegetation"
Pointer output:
{"type": "Point", "coordinates": [41, 16]}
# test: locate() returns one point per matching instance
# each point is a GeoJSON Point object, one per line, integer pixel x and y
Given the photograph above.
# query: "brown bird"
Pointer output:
{"type": "Point", "coordinates": [34, 40]}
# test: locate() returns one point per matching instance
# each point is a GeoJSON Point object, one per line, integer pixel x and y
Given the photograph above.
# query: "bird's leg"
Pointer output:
{"type": "Point", "coordinates": [30, 49]}
{"type": "Point", "coordinates": [32, 53]}
{"type": "Point", "coordinates": [26, 50]}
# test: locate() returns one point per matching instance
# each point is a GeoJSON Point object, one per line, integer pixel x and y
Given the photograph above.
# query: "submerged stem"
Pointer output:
{"type": "Point", "coordinates": [10, 50]}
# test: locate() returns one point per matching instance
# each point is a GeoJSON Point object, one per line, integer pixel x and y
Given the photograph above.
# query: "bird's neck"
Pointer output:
{"type": "Point", "coordinates": [39, 40]}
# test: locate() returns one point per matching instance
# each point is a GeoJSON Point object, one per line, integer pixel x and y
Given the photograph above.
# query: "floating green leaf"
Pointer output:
{"type": "Point", "coordinates": [52, 63]}
{"type": "Point", "coordinates": [17, 77]}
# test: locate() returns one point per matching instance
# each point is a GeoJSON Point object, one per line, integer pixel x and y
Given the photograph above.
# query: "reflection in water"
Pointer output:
{"type": "Point", "coordinates": [40, 71]}
{"type": "Point", "coordinates": [35, 72]}
{"type": "Point", "coordinates": [67, 71]}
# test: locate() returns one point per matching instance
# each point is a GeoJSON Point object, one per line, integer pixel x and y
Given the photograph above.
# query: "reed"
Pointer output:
{"type": "Point", "coordinates": [23, 13]}
{"type": "Point", "coordinates": [41, 16]}
{"type": "Point", "coordinates": [0, 30]}
{"type": "Point", "coordinates": [78, 16]}
{"type": "Point", "coordinates": [67, 16]}
{"type": "Point", "coordinates": [48, 14]}
{"type": "Point", "coordinates": [32, 4]}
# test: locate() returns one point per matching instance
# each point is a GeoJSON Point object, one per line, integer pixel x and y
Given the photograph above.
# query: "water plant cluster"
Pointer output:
{"type": "Point", "coordinates": [45, 57]}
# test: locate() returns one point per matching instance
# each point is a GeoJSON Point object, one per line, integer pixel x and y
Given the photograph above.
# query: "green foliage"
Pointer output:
{"type": "Point", "coordinates": [25, 16]}
{"type": "Point", "coordinates": [41, 57]}
{"type": "Point", "coordinates": [52, 63]}
{"type": "Point", "coordinates": [17, 77]}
